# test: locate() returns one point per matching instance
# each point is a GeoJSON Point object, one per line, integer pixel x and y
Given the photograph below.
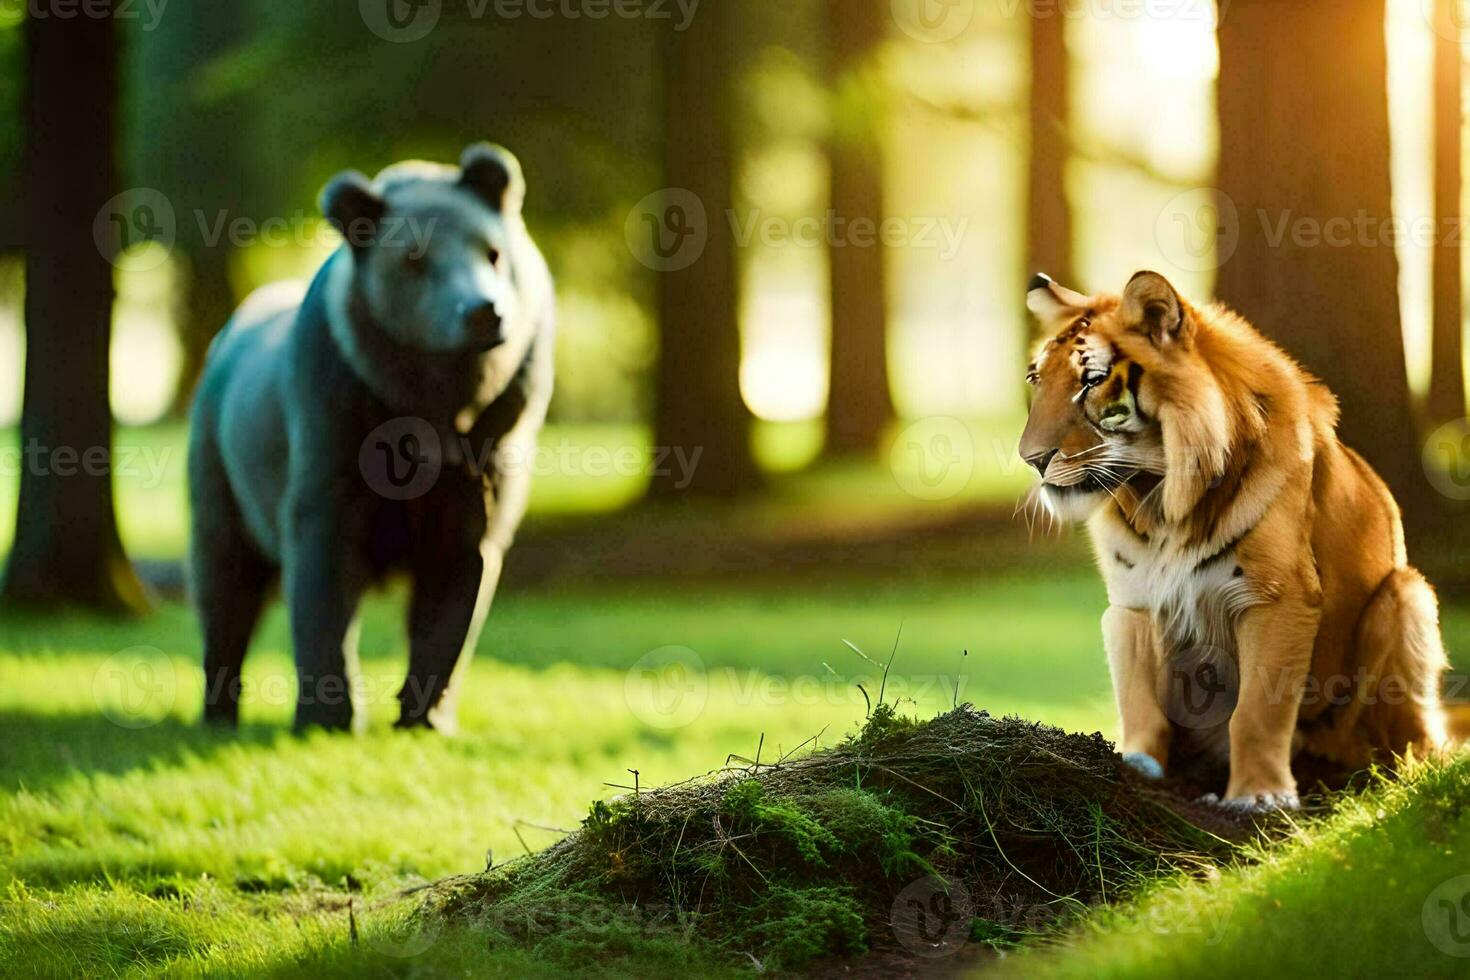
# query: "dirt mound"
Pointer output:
{"type": "Point", "coordinates": [915, 838]}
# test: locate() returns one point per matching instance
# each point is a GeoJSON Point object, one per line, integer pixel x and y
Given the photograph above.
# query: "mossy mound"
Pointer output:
{"type": "Point", "coordinates": [912, 837]}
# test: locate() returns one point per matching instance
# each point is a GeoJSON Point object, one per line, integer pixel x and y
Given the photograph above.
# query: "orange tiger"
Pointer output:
{"type": "Point", "coordinates": [1261, 603]}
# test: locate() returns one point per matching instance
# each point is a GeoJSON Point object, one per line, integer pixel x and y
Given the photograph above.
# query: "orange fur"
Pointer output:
{"type": "Point", "coordinates": [1236, 534]}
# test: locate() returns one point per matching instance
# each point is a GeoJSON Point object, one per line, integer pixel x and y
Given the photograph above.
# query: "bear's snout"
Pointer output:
{"type": "Point", "coordinates": [484, 327]}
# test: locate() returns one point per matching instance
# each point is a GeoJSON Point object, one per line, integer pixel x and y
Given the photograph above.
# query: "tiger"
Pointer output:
{"type": "Point", "coordinates": [1261, 607]}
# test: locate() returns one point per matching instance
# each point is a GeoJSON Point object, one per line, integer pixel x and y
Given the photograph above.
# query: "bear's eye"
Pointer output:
{"type": "Point", "coordinates": [415, 264]}
{"type": "Point", "coordinates": [494, 256]}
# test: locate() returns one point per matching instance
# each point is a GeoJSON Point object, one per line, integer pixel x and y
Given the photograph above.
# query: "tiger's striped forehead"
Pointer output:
{"type": "Point", "coordinates": [1081, 344]}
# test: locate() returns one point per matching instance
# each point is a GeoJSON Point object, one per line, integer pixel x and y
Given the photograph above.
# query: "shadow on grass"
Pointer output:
{"type": "Point", "coordinates": [40, 751]}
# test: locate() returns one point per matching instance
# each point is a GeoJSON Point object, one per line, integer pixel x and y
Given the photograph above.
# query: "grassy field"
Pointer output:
{"type": "Point", "coordinates": [135, 843]}
{"type": "Point", "coordinates": [1380, 889]}
{"type": "Point", "coordinates": [120, 815]}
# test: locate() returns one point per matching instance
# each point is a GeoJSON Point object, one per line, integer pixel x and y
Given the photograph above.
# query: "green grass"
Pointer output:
{"type": "Point", "coordinates": [122, 822]}
{"type": "Point", "coordinates": [132, 842]}
{"type": "Point", "coordinates": [1378, 890]}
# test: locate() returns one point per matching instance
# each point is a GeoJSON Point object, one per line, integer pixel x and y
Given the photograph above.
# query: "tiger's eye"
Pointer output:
{"type": "Point", "coordinates": [1115, 415]}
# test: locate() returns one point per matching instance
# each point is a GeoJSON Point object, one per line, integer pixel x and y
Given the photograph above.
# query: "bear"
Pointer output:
{"type": "Point", "coordinates": [377, 425]}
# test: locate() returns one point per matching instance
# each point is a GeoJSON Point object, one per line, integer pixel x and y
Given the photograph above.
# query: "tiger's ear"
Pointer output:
{"type": "Point", "coordinates": [1053, 304]}
{"type": "Point", "coordinates": [1154, 309]}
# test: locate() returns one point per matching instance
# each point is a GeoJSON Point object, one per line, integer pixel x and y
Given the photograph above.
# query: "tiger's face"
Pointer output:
{"type": "Point", "coordinates": [1093, 434]}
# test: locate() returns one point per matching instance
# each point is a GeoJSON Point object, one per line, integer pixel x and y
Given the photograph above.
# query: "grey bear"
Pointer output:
{"type": "Point", "coordinates": [380, 423]}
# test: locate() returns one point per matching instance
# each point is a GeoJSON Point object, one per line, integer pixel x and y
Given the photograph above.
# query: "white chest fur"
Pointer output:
{"type": "Point", "coordinates": [1195, 597]}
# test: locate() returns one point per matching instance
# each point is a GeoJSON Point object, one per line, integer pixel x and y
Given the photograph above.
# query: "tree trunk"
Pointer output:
{"type": "Point", "coordinates": [1303, 100]}
{"type": "Point", "coordinates": [1446, 400]}
{"type": "Point", "coordinates": [211, 300]}
{"type": "Point", "coordinates": [198, 146]}
{"type": "Point", "coordinates": [859, 406]}
{"type": "Point", "coordinates": [1048, 215]}
{"type": "Point", "coordinates": [67, 549]}
{"type": "Point", "coordinates": [699, 408]}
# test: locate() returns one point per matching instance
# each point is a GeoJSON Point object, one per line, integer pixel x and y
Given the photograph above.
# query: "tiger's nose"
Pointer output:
{"type": "Point", "coordinates": [1040, 461]}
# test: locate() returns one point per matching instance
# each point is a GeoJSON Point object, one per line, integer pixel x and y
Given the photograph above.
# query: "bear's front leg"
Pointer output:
{"type": "Point", "coordinates": [1134, 661]}
{"type": "Point", "coordinates": [324, 583]}
{"type": "Point", "coordinates": [451, 597]}
{"type": "Point", "coordinates": [1275, 643]}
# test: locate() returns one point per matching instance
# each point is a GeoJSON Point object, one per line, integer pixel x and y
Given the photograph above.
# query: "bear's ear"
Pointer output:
{"type": "Point", "coordinates": [493, 173]}
{"type": "Point", "coordinates": [353, 207]}
{"type": "Point", "coordinates": [1154, 309]}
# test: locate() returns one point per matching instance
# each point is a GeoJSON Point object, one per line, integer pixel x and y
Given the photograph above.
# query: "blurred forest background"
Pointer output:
{"type": "Point", "coordinates": [1083, 139]}
{"type": "Point", "coordinates": [709, 181]}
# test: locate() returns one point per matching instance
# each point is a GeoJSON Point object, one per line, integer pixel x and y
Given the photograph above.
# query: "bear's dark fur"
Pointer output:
{"type": "Point", "coordinates": [383, 422]}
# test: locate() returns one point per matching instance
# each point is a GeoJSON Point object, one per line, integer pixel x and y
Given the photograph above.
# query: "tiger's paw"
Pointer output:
{"type": "Point", "coordinates": [1259, 803]}
{"type": "Point", "coordinates": [1144, 764]}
